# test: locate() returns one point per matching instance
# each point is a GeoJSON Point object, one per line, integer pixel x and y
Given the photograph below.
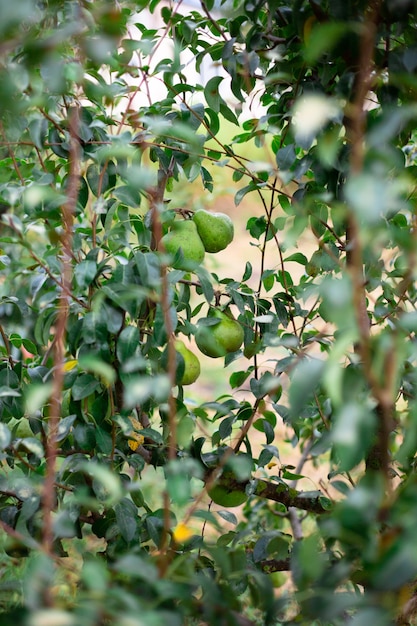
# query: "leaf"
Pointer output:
{"type": "Point", "coordinates": [239, 195]}
{"type": "Point", "coordinates": [268, 383]}
{"type": "Point", "coordinates": [154, 527]}
{"type": "Point", "coordinates": [138, 389]}
{"type": "Point", "coordinates": [228, 516]}
{"type": "Point", "coordinates": [85, 272]}
{"type": "Point", "coordinates": [285, 157]}
{"type": "Point", "coordinates": [297, 257]}
{"type": "Point", "coordinates": [64, 427]}
{"type": "Point", "coordinates": [265, 458]}
{"type": "Point", "coordinates": [256, 226]}
{"type": "Point", "coordinates": [5, 436]}
{"type": "Point", "coordinates": [178, 483]}
{"type": "Point", "coordinates": [84, 386]}
{"type": "Point", "coordinates": [8, 392]}
{"type": "Point", "coordinates": [323, 38]}
{"type": "Point", "coordinates": [128, 344]}
{"type": "Point", "coordinates": [36, 396]}
{"type": "Point", "coordinates": [248, 271]}
{"type": "Point", "coordinates": [136, 567]}
{"type": "Point", "coordinates": [238, 378]}
{"type": "Point", "coordinates": [373, 197]}
{"type": "Point", "coordinates": [260, 550]}
{"type": "Point", "coordinates": [352, 434]}
{"type": "Point", "coordinates": [205, 281]}
{"type": "Point", "coordinates": [304, 381]}
{"type": "Point", "coordinates": [100, 368]}
{"type": "Point", "coordinates": [33, 445]}
{"type": "Point", "coordinates": [212, 94]}
{"type": "Point", "coordinates": [341, 486]}
{"type": "Point", "coordinates": [126, 518]}
{"type": "Point", "coordinates": [106, 484]}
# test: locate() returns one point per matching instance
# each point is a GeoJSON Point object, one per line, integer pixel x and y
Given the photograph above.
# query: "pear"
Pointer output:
{"type": "Point", "coordinates": [225, 497]}
{"type": "Point", "coordinates": [183, 237]}
{"type": "Point", "coordinates": [191, 364]}
{"type": "Point", "coordinates": [215, 229]}
{"type": "Point", "coordinates": [219, 339]}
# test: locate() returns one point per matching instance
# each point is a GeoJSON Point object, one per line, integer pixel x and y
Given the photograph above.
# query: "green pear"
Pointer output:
{"type": "Point", "coordinates": [191, 364]}
{"type": "Point", "coordinates": [184, 237]}
{"type": "Point", "coordinates": [219, 339]}
{"type": "Point", "coordinates": [215, 229]}
{"type": "Point", "coordinates": [225, 497]}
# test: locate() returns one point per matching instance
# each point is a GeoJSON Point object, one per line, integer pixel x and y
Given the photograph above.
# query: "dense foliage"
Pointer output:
{"type": "Point", "coordinates": [110, 139]}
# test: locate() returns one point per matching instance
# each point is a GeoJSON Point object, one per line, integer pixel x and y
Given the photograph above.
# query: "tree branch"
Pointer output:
{"type": "Point", "coordinates": [68, 210]}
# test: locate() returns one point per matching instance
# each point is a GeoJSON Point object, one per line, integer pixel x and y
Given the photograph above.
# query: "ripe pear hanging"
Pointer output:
{"type": "Point", "coordinates": [183, 243]}
{"type": "Point", "coordinates": [215, 229]}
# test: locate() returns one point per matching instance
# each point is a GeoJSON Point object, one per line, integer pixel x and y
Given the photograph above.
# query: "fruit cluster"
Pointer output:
{"type": "Point", "coordinates": [187, 242]}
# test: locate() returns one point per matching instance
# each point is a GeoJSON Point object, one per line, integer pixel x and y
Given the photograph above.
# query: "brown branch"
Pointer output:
{"type": "Point", "coordinates": [7, 346]}
{"type": "Point", "coordinates": [213, 21]}
{"type": "Point", "coordinates": [156, 197]}
{"type": "Point", "coordinates": [68, 210]}
{"type": "Point", "coordinates": [275, 565]}
{"type": "Point", "coordinates": [27, 541]}
{"type": "Point", "coordinates": [277, 492]}
{"type": "Point", "coordinates": [378, 457]}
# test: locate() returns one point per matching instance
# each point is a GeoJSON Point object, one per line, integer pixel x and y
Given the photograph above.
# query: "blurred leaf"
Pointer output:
{"type": "Point", "coordinates": [5, 436]}
{"type": "Point", "coordinates": [99, 367]}
{"type": "Point", "coordinates": [323, 38]}
{"type": "Point", "coordinates": [304, 381]}
{"type": "Point", "coordinates": [352, 434]}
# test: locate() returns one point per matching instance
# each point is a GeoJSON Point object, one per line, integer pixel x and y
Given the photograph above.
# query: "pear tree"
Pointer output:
{"type": "Point", "coordinates": [185, 440]}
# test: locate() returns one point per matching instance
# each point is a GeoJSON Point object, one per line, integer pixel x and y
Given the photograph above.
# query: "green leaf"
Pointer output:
{"type": "Point", "coordinates": [34, 446]}
{"type": "Point", "coordinates": [373, 197]}
{"type": "Point", "coordinates": [139, 389]}
{"type": "Point", "coordinates": [36, 395]}
{"type": "Point", "coordinates": [297, 257]}
{"type": "Point", "coordinates": [305, 379]}
{"type": "Point", "coordinates": [64, 427]}
{"type": "Point", "coordinates": [178, 483]}
{"type": "Point", "coordinates": [228, 516]}
{"type": "Point", "coordinates": [106, 483]}
{"type": "Point", "coordinates": [239, 195]}
{"type": "Point", "coordinates": [285, 157]}
{"type": "Point", "coordinates": [84, 386]}
{"type": "Point", "coordinates": [212, 94]}
{"type": "Point", "coordinates": [128, 344]}
{"type": "Point", "coordinates": [238, 378]}
{"type": "Point", "coordinates": [323, 38]}
{"type": "Point", "coordinates": [126, 518]}
{"type": "Point", "coordinates": [205, 282]}
{"type": "Point", "coordinates": [85, 272]}
{"type": "Point", "coordinates": [136, 567]}
{"type": "Point", "coordinates": [352, 434]}
{"type": "Point", "coordinates": [100, 368]}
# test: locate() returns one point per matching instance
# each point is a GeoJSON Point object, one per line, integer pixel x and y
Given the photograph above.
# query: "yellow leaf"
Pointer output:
{"type": "Point", "coordinates": [69, 365]}
{"type": "Point", "coordinates": [182, 533]}
{"type": "Point", "coordinates": [271, 465]}
{"type": "Point", "coordinates": [135, 439]}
